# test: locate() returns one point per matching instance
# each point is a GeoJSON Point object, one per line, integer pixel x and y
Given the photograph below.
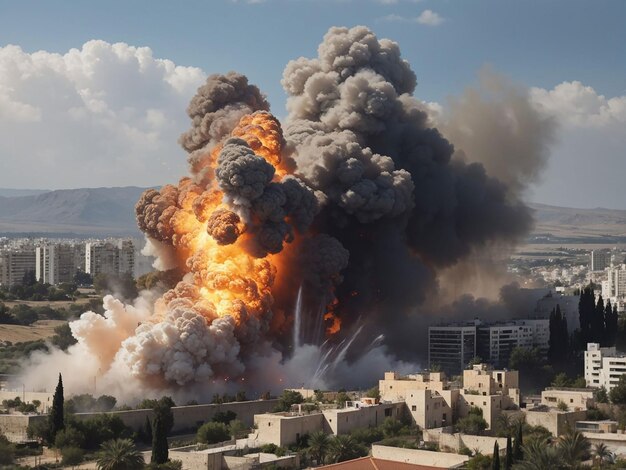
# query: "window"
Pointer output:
{"type": "Point", "coordinates": [413, 408]}
{"type": "Point", "coordinates": [269, 424]}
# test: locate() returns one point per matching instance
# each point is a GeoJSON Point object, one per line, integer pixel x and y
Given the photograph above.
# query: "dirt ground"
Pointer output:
{"type": "Point", "coordinates": [53, 304]}
{"type": "Point", "coordinates": [41, 329]}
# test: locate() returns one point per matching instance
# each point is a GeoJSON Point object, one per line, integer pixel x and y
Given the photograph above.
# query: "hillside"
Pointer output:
{"type": "Point", "coordinates": [566, 222]}
{"type": "Point", "coordinates": [86, 211]}
{"type": "Point", "coordinates": [110, 211]}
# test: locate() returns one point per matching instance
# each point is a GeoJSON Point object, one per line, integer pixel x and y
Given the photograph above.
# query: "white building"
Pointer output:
{"type": "Point", "coordinates": [495, 342]}
{"type": "Point", "coordinates": [603, 366]}
{"type": "Point", "coordinates": [614, 287]}
{"type": "Point", "coordinates": [55, 263]}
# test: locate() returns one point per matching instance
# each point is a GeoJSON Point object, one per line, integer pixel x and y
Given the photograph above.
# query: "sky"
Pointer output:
{"type": "Point", "coordinates": [94, 93]}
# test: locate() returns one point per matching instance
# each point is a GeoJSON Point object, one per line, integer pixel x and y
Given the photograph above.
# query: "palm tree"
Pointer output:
{"type": "Point", "coordinates": [319, 443]}
{"type": "Point", "coordinates": [344, 448]}
{"type": "Point", "coordinates": [119, 454]}
{"type": "Point", "coordinates": [539, 455]}
{"type": "Point", "coordinates": [601, 453]}
{"type": "Point", "coordinates": [574, 448]}
{"type": "Point", "coordinates": [503, 424]}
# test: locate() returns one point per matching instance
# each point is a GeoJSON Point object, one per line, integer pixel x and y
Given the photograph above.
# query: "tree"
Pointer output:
{"type": "Point", "coordinates": [288, 398]}
{"type": "Point", "coordinates": [602, 396]}
{"type": "Point", "coordinates": [147, 431]}
{"type": "Point", "coordinates": [391, 427]}
{"type": "Point", "coordinates": [319, 443]}
{"type": "Point", "coordinates": [119, 454]}
{"type": "Point", "coordinates": [518, 449]}
{"type": "Point", "coordinates": [237, 429]}
{"type": "Point", "coordinates": [495, 461]}
{"type": "Point", "coordinates": [7, 451]}
{"type": "Point", "coordinates": [71, 456]}
{"type": "Point", "coordinates": [560, 380]}
{"type": "Point", "coordinates": [56, 420]}
{"type": "Point", "coordinates": [562, 406]}
{"type": "Point", "coordinates": [601, 453]}
{"type": "Point", "coordinates": [598, 332]}
{"type": "Point", "coordinates": [69, 437]}
{"type": "Point", "coordinates": [508, 463]}
{"type": "Point", "coordinates": [342, 398]}
{"type": "Point", "coordinates": [539, 455]}
{"type": "Point", "coordinates": [473, 423]}
{"type": "Point", "coordinates": [212, 433]}
{"type": "Point", "coordinates": [618, 393]}
{"type": "Point", "coordinates": [105, 403]}
{"type": "Point", "coordinates": [63, 337]}
{"type": "Point", "coordinates": [479, 462]}
{"type": "Point", "coordinates": [159, 441]}
{"type": "Point", "coordinates": [559, 337]}
{"type": "Point", "coordinates": [224, 417]}
{"type": "Point", "coordinates": [344, 448]}
{"type": "Point", "coordinates": [573, 447]}
{"type": "Point", "coordinates": [372, 393]}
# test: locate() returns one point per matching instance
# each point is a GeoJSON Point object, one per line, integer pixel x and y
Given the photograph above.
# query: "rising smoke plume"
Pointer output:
{"type": "Point", "coordinates": [356, 202]}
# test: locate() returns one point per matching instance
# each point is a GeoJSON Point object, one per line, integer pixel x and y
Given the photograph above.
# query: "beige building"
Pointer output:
{"type": "Point", "coordinates": [283, 429]}
{"type": "Point", "coordinates": [576, 399]}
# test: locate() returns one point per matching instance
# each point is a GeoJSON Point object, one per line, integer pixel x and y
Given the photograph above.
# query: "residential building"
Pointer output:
{"type": "Point", "coordinates": [110, 258]}
{"type": "Point", "coordinates": [15, 263]}
{"type": "Point", "coordinates": [614, 287]}
{"type": "Point", "coordinates": [603, 366]}
{"type": "Point", "coordinates": [575, 398]}
{"type": "Point", "coordinates": [451, 347]}
{"type": "Point", "coordinates": [55, 263]}
{"type": "Point", "coordinates": [496, 341]}
{"type": "Point", "coordinates": [599, 260]}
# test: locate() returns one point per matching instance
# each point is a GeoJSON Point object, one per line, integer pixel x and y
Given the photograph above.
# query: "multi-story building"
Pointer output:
{"type": "Point", "coordinates": [496, 341]}
{"type": "Point", "coordinates": [599, 260]}
{"type": "Point", "coordinates": [55, 263]}
{"type": "Point", "coordinates": [451, 347]}
{"type": "Point", "coordinates": [614, 287]}
{"type": "Point", "coordinates": [603, 366]}
{"type": "Point", "coordinates": [109, 258]}
{"type": "Point", "coordinates": [15, 263]}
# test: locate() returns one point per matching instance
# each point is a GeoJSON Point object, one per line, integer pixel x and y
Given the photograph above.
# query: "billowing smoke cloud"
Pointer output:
{"type": "Point", "coordinates": [354, 211]}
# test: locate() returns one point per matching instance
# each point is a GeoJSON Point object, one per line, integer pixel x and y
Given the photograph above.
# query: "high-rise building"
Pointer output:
{"type": "Point", "coordinates": [109, 258]}
{"type": "Point", "coordinates": [497, 341]}
{"type": "Point", "coordinates": [614, 287]}
{"type": "Point", "coordinates": [599, 260]}
{"type": "Point", "coordinates": [55, 263]}
{"type": "Point", "coordinates": [15, 263]}
{"type": "Point", "coordinates": [451, 347]}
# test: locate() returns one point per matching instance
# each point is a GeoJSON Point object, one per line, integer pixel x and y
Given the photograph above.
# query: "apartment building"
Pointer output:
{"type": "Point", "coordinates": [56, 263]}
{"type": "Point", "coordinates": [451, 347]}
{"type": "Point", "coordinates": [110, 258]}
{"type": "Point", "coordinates": [603, 366]}
{"type": "Point", "coordinates": [599, 260]}
{"type": "Point", "coordinates": [15, 263]}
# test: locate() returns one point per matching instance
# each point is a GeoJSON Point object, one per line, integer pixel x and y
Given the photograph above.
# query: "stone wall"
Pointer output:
{"type": "Point", "coordinates": [14, 426]}
{"type": "Point", "coordinates": [419, 457]}
{"type": "Point", "coordinates": [454, 442]}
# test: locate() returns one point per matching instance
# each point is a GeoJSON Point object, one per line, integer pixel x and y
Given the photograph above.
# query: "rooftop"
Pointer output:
{"type": "Point", "coordinates": [373, 463]}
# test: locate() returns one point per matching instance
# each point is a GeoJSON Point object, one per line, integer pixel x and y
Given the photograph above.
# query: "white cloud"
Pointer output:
{"type": "Point", "coordinates": [575, 104]}
{"type": "Point", "coordinates": [430, 18]}
{"type": "Point", "coordinates": [427, 17]}
{"type": "Point", "coordinates": [105, 114]}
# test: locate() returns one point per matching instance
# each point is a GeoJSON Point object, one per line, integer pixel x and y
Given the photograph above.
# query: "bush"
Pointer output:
{"type": "Point", "coordinates": [71, 456]}
{"type": "Point", "coordinates": [288, 398]}
{"type": "Point", "coordinates": [69, 437]}
{"type": "Point", "coordinates": [224, 417]}
{"type": "Point", "coordinates": [212, 433]}
{"type": "Point", "coordinates": [7, 451]}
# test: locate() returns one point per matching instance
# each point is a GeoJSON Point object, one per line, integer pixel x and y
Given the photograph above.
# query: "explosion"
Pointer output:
{"type": "Point", "coordinates": [354, 206]}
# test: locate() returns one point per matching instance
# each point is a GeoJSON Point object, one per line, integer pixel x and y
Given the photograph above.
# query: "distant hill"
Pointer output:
{"type": "Point", "coordinates": [110, 211]}
{"type": "Point", "coordinates": [567, 222]}
{"type": "Point", "coordinates": [9, 192]}
{"type": "Point", "coordinates": [88, 211]}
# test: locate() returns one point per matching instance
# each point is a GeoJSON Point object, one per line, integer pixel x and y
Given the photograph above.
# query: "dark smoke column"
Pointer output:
{"type": "Point", "coordinates": [393, 196]}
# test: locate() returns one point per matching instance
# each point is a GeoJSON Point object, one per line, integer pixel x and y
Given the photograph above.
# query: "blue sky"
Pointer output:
{"type": "Point", "coordinates": [535, 43]}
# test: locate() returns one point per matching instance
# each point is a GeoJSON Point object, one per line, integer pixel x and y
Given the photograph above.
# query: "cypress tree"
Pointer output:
{"type": "Point", "coordinates": [495, 461]}
{"type": "Point", "coordinates": [159, 441]}
{"type": "Point", "coordinates": [597, 323]}
{"type": "Point", "coordinates": [518, 453]}
{"type": "Point", "coordinates": [148, 431]}
{"type": "Point", "coordinates": [508, 463]}
{"type": "Point", "coordinates": [55, 420]}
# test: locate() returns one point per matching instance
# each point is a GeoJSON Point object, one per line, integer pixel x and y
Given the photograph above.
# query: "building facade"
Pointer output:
{"type": "Point", "coordinates": [15, 264]}
{"type": "Point", "coordinates": [599, 260]}
{"type": "Point", "coordinates": [110, 258]}
{"type": "Point", "coordinates": [451, 347]}
{"type": "Point", "coordinates": [603, 366]}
